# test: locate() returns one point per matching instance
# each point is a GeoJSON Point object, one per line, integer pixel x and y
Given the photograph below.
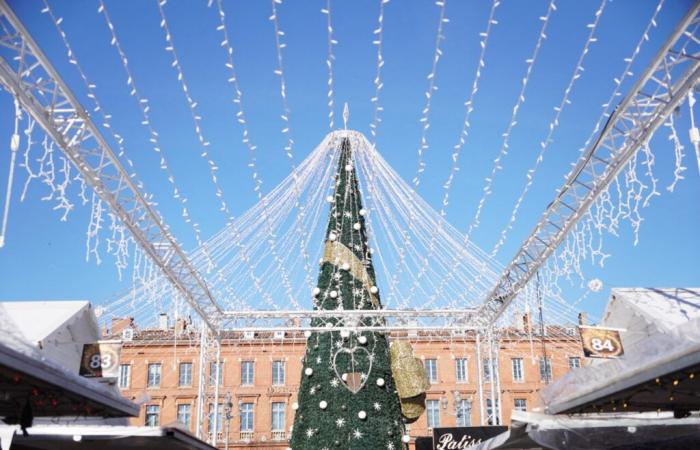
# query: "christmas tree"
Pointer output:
{"type": "Point", "coordinates": [347, 397]}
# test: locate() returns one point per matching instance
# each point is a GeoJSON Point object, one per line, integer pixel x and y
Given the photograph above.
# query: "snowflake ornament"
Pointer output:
{"type": "Point", "coordinates": [340, 422]}
{"type": "Point", "coordinates": [377, 406]}
{"type": "Point", "coordinates": [357, 434]}
{"type": "Point", "coordinates": [335, 382]}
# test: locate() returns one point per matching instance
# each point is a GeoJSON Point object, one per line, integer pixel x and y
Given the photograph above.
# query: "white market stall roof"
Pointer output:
{"type": "Point", "coordinates": [644, 431]}
{"type": "Point", "coordinates": [105, 437]}
{"type": "Point", "coordinates": [53, 390]}
{"type": "Point", "coordinates": [643, 312]}
{"type": "Point", "coordinates": [659, 367]}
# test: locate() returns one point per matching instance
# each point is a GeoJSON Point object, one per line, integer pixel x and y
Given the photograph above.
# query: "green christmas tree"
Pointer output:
{"type": "Point", "coordinates": [347, 396]}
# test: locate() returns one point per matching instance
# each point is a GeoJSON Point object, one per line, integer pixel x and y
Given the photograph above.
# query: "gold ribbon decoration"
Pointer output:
{"type": "Point", "coordinates": [409, 376]}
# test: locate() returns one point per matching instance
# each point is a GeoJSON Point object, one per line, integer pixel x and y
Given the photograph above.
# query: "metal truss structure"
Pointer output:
{"type": "Point", "coordinates": [672, 74]}
{"type": "Point", "coordinates": [381, 320]}
{"type": "Point", "coordinates": [27, 73]}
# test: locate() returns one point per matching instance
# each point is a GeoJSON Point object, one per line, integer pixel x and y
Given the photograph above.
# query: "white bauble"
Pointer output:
{"type": "Point", "coordinates": [309, 371]}
{"type": "Point", "coordinates": [344, 377]}
{"type": "Point", "coordinates": [295, 406]}
{"type": "Point", "coordinates": [307, 334]}
{"type": "Point", "coordinates": [348, 167]}
{"type": "Point", "coordinates": [333, 294]}
{"type": "Point", "coordinates": [380, 382]}
{"type": "Point", "coordinates": [362, 415]}
{"type": "Point", "coordinates": [345, 266]}
{"type": "Point", "coordinates": [362, 340]}
{"type": "Point", "coordinates": [357, 226]}
{"type": "Point", "coordinates": [363, 211]}
{"type": "Point", "coordinates": [317, 291]}
{"type": "Point", "coordinates": [332, 236]}
{"type": "Point", "coordinates": [323, 404]}
{"type": "Point", "coordinates": [406, 438]}
{"type": "Point", "coordinates": [344, 333]}
{"type": "Point", "coordinates": [374, 289]}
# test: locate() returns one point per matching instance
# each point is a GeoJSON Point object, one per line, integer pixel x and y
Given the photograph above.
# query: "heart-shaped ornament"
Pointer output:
{"type": "Point", "coordinates": [350, 361]}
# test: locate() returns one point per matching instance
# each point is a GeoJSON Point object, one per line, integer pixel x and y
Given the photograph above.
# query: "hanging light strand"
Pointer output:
{"type": "Point", "coordinates": [196, 117]}
{"type": "Point", "coordinates": [378, 83]}
{"type": "Point", "coordinates": [430, 91]}
{"type": "Point", "coordinates": [553, 125]}
{"type": "Point", "coordinates": [279, 71]}
{"type": "Point", "coordinates": [330, 60]}
{"type": "Point", "coordinates": [497, 166]}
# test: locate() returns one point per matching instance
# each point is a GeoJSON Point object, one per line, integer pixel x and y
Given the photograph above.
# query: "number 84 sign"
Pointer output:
{"type": "Point", "coordinates": [600, 342]}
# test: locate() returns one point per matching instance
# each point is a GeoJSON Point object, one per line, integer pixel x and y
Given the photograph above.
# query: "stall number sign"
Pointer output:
{"type": "Point", "coordinates": [100, 360]}
{"type": "Point", "coordinates": [601, 342]}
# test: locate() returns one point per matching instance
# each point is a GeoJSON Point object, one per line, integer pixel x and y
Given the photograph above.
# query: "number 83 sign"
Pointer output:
{"type": "Point", "coordinates": [601, 342]}
{"type": "Point", "coordinates": [100, 360]}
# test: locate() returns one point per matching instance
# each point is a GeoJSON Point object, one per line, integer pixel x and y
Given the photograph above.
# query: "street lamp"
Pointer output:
{"type": "Point", "coordinates": [228, 409]}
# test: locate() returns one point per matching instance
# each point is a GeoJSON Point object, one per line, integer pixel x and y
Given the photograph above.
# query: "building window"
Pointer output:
{"type": "Point", "coordinates": [247, 373]}
{"type": "Point", "coordinates": [213, 373]}
{"type": "Point", "coordinates": [433, 407]}
{"type": "Point", "coordinates": [489, 370]}
{"type": "Point", "coordinates": [546, 369]}
{"type": "Point", "coordinates": [574, 362]}
{"type": "Point", "coordinates": [464, 413]}
{"type": "Point", "coordinates": [278, 416]}
{"type": "Point", "coordinates": [184, 414]}
{"type": "Point", "coordinates": [520, 404]}
{"type": "Point", "coordinates": [153, 376]}
{"type": "Point", "coordinates": [431, 370]}
{"type": "Point", "coordinates": [278, 373]}
{"type": "Point", "coordinates": [247, 417]}
{"type": "Point", "coordinates": [219, 418]}
{"type": "Point", "coordinates": [185, 375]}
{"type": "Point", "coordinates": [518, 373]}
{"type": "Point", "coordinates": [493, 413]}
{"type": "Point", "coordinates": [461, 369]}
{"type": "Point", "coordinates": [124, 376]}
{"type": "Point", "coordinates": [152, 415]}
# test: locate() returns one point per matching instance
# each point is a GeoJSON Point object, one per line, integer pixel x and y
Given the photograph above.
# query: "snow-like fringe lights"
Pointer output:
{"type": "Point", "coordinates": [378, 83]}
{"type": "Point", "coordinates": [330, 59]}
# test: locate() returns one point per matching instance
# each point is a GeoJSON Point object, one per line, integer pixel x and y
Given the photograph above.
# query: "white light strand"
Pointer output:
{"type": "Point", "coordinates": [192, 106]}
{"type": "Point", "coordinates": [553, 125]}
{"type": "Point", "coordinates": [678, 153]}
{"type": "Point", "coordinates": [378, 83]}
{"type": "Point", "coordinates": [693, 132]}
{"type": "Point", "coordinates": [252, 148]}
{"type": "Point", "coordinates": [513, 119]}
{"type": "Point", "coordinates": [330, 59]}
{"type": "Point", "coordinates": [430, 91]}
{"type": "Point", "coordinates": [154, 137]}
{"type": "Point", "coordinates": [457, 149]}
{"type": "Point", "coordinates": [14, 147]}
{"type": "Point", "coordinates": [279, 71]}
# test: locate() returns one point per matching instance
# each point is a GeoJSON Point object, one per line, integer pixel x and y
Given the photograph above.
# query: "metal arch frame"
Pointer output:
{"type": "Point", "coordinates": [665, 83]}
{"type": "Point", "coordinates": [29, 76]}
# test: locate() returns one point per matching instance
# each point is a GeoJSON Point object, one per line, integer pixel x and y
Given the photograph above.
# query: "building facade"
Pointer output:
{"type": "Point", "coordinates": [260, 372]}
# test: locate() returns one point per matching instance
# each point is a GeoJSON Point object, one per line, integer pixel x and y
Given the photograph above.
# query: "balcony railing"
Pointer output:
{"type": "Point", "coordinates": [246, 436]}
{"type": "Point", "coordinates": [279, 435]}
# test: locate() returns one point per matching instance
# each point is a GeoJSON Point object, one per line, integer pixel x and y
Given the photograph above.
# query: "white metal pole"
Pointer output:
{"type": "Point", "coordinates": [479, 377]}
{"type": "Point", "coordinates": [491, 379]}
{"type": "Point", "coordinates": [201, 381]}
{"type": "Point", "coordinates": [215, 424]}
{"type": "Point", "coordinates": [498, 383]}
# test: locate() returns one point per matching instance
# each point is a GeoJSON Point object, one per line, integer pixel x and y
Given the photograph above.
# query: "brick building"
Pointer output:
{"type": "Point", "coordinates": [261, 371]}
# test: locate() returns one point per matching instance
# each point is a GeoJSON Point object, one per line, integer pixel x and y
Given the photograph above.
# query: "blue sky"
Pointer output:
{"type": "Point", "coordinates": [45, 258]}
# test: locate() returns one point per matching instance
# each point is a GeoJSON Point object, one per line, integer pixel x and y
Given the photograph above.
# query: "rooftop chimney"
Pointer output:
{"type": "Point", "coordinates": [163, 321]}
